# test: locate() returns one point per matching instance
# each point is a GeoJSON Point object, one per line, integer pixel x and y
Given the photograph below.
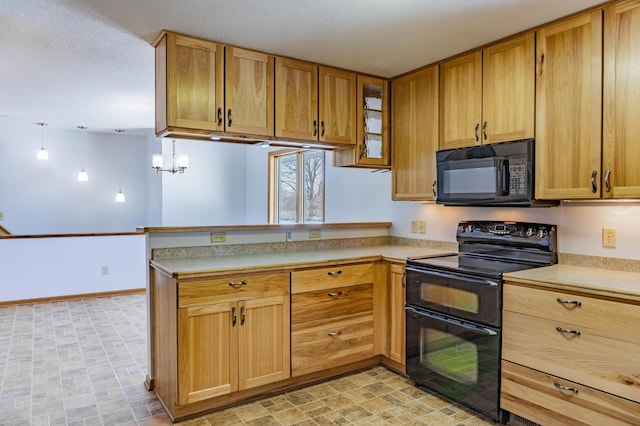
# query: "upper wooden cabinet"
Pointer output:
{"type": "Point", "coordinates": [200, 90]}
{"type": "Point", "coordinates": [569, 108]}
{"type": "Point", "coordinates": [488, 96]}
{"type": "Point", "coordinates": [414, 132]}
{"type": "Point", "coordinates": [314, 103]}
{"type": "Point", "coordinates": [621, 132]}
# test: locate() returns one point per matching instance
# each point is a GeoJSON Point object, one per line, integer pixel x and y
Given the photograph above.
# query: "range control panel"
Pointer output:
{"type": "Point", "coordinates": [512, 233]}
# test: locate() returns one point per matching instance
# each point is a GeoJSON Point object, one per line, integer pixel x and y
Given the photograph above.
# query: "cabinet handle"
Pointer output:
{"type": "Point", "coordinates": [229, 119]}
{"type": "Point", "coordinates": [433, 188]}
{"type": "Point", "coordinates": [334, 294]}
{"type": "Point", "coordinates": [219, 116]}
{"type": "Point", "coordinates": [569, 302]}
{"type": "Point", "coordinates": [607, 184]}
{"type": "Point", "coordinates": [242, 315]}
{"type": "Point", "coordinates": [335, 333]}
{"type": "Point", "coordinates": [362, 150]}
{"type": "Point", "coordinates": [322, 126]}
{"type": "Point", "coordinates": [594, 187]}
{"type": "Point", "coordinates": [237, 284]}
{"type": "Point", "coordinates": [233, 316]}
{"type": "Point", "coordinates": [315, 127]}
{"type": "Point", "coordinates": [541, 64]}
{"type": "Point", "coordinates": [476, 131]}
{"type": "Point", "coordinates": [333, 274]}
{"type": "Point", "coordinates": [564, 330]}
{"type": "Point", "coordinates": [562, 387]}
{"type": "Point", "coordinates": [484, 130]}
{"type": "Point", "coordinates": [404, 279]}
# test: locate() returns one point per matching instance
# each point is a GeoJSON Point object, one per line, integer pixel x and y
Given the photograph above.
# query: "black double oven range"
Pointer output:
{"type": "Point", "coordinates": [454, 309]}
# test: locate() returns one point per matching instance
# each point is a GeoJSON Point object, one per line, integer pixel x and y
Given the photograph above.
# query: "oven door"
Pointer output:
{"type": "Point", "coordinates": [468, 297]}
{"type": "Point", "coordinates": [456, 359]}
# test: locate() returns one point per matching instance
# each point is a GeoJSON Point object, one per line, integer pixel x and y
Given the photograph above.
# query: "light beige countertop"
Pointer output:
{"type": "Point", "coordinates": [618, 284]}
{"type": "Point", "coordinates": [281, 261]}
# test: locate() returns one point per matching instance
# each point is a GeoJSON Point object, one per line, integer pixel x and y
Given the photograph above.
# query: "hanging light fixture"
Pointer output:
{"type": "Point", "coordinates": [42, 154]}
{"type": "Point", "coordinates": [120, 195]}
{"type": "Point", "coordinates": [178, 165]}
{"type": "Point", "coordinates": [83, 176]}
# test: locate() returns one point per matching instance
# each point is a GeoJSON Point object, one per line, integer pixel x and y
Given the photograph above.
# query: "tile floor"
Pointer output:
{"type": "Point", "coordinates": [83, 362]}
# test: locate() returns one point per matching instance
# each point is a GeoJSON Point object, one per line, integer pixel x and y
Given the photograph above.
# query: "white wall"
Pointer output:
{"type": "Point", "coordinates": [579, 224]}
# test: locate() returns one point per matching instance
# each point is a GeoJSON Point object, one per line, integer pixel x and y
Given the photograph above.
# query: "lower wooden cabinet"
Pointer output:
{"type": "Point", "coordinates": [570, 357]}
{"type": "Point", "coordinates": [332, 317]}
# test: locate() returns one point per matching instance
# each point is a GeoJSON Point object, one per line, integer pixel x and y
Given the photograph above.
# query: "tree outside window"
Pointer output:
{"type": "Point", "coordinates": [296, 182]}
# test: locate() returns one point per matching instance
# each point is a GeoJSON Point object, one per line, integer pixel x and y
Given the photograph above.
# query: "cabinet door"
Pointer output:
{"type": "Point", "coordinates": [397, 300]}
{"type": "Point", "coordinates": [568, 108]}
{"type": "Point", "coordinates": [621, 162]}
{"type": "Point", "coordinates": [264, 341]}
{"type": "Point", "coordinates": [461, 101]}
{"type": "Point", "coordinates": [296, 99]}
{"type": "Point", "coordinates": [508, 90]}
{"type": "Point", "coordinates": [207, 352]}
{"type": "Point", "coordinates": [194, 83]}
{"type": "Point", "coordinates": [337, 106]}
{"type": "Point", "coordinates": [372, 146]}
{"type": "Point", "coordinates": [249, 94]}
{"type": "Point", "coordinates": [415, 135]}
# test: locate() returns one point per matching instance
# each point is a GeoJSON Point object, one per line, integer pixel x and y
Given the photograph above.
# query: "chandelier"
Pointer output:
{"type": "Point", "coordinates": [178, 165]}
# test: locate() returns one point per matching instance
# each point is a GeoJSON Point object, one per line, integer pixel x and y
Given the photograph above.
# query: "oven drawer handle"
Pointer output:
{"type": "Point", "coordinates": [489, 283]}
{"type": "Point", "coordinates": [466, 326]}
{"type": "Point", "coordinates": [562, 387]}
{"type": "Point", "coordinates": [569, 302]}
{"type": "Point", "coordinates": [564, 330]}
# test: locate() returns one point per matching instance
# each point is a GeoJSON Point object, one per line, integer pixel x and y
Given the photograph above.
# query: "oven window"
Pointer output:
{"type": "Point", "coordinates": [449, 355]}
{"type": "Point", "coordinates": [449, 297]}
{"type": "Point", "coordinates": [479, 180]}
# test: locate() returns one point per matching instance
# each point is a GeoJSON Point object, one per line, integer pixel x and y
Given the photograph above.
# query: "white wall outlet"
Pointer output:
{"type": "Point", "coordinates": [1, 215]}
{"type": "Point", "coordinates": [414, 226]}
{"type": "Point", "coordinates": [218, 237]}
{"type": "Point", "coordinates": [105, 270]}
{"type": "Point", "coordinates": [609, 237]}
{"type": "Point", "coordinates": [314, 233]}
{"type": "Point", "coordinates": [422, 226]}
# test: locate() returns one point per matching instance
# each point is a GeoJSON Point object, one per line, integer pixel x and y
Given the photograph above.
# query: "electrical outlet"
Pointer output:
{"type": "Point", "coordinates": [1, 215]}
{"type": "Point", "coordinates": [314, 233]}
{"type": "Point", "coordinates": [609, 237]}
{"type": "Point", "coordinates": [288, 236]}
{"type": "Point", "coordinates": [414, 226]}
{"type": "Point", "coordinates": [105, 270]}
{"type": "Point", "coordinates": [422, 226]}
{"type": "Point", "coordinates": [218, 237]}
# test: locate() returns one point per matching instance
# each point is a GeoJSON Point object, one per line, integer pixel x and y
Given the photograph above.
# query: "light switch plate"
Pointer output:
{"type": "Point", "coordinates": [422, 226]}
{"type": "Point", "coordinates": [314, 233]}
{"type": "Point", "coordinates": [218, 237]}
{"type": "Point", "coordinates": [414, 226]}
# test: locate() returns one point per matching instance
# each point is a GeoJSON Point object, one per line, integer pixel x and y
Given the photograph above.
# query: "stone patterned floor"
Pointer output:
{"type": "Point", "coordinates": [83, 362]}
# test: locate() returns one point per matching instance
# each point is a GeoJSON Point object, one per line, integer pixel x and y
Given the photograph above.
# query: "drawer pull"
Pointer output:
{"type": "Point", "coordinates": [567, 388]}
{"type": "Point", "coordinates": [237, 284]}
{"type": "Point", "coordinates": [569, 302]}
{"type": "Point", "coordinates": [233, 316]}
{"type": "Point", "coordinates": [335, 333]}
{"type": "Point", "coordinates": [335, 294]}
{"type": "Point", "coordinates": [564, 330]}
{"type": "Point", "coordinates": [333, 274]}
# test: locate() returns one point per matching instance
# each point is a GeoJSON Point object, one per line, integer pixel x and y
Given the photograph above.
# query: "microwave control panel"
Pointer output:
{"type": "Point", "coordinates": [518, 176]}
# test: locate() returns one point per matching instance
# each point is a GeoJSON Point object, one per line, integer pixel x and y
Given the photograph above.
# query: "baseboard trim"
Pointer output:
{"type": "Point", "coordinates": [72, 296]}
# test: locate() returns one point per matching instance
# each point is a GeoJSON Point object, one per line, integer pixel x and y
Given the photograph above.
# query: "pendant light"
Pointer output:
{"type": "Point", "coordinates": [42, 154]}
{"type": "Point", "coordinates": [120, 195]}
{"type": "Point", "coordinates": [82, 175]}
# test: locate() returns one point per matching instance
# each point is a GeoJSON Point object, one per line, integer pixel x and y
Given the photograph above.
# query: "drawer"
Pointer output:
{"type": "Point", "coordinates": [233, 288]}
{"type": "Point", "coordinates": [534, 395]}
{"type": "Point", "coordinates": [326, 344]}
{"type": "Point", "coordinates": [326, 278]}
{"type": "Point", "coordinates": [590, 359]}
{"type": "Point", "coordinates": [331, 303]}
{"type": "Point", "coordinates": [606, 317]}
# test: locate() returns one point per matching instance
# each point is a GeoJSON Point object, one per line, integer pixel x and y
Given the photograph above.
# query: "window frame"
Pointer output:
{"type": "Point", "coordinates": [274, 156]}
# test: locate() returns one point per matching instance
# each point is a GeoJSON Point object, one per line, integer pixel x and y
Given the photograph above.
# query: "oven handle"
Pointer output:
{"type": "Point", "coordinates": [481, 281]}
{"type": "Point", "coordinates": [466, 326]}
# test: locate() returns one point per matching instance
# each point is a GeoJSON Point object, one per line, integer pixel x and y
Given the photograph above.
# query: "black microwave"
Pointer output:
{"type": "Point", "coordinates": [499, 174]}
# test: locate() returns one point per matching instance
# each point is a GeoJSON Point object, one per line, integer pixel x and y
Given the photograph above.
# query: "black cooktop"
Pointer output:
{"type": "Point", "coordinates": [493, 268]}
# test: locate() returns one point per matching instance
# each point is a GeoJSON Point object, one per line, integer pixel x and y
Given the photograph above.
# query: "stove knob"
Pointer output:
{"type": "Point", "coordinates": [469, 228]}
{"type": "Point", "coordinates": [461, 229]}
{"type": "Point", "coordinates": [542, 233]}
{"type": "Point", "coordinates": [530, 232]}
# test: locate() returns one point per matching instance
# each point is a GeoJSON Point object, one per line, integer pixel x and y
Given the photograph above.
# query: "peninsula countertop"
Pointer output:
{"type": "Point", "coordinates": [605, 282]}
{"type": "Point", "coordinates": [287, 260]}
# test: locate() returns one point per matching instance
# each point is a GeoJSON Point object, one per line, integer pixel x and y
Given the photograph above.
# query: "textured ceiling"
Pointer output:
{"type": "Point", "coordinates": [90, 62]}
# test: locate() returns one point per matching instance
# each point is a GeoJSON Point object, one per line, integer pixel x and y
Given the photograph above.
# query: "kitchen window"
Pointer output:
{"type": "Point", "coordinates": [296, 186]}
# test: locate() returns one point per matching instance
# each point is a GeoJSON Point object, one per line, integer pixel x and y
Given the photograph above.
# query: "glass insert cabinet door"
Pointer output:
{"type": "Point", "coordinates": [372, 146]}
